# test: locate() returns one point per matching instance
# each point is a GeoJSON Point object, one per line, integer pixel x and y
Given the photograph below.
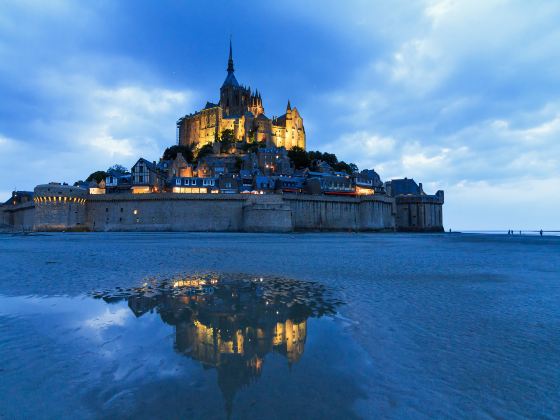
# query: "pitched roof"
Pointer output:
{"type": "Point", "coordinates": [230, 80]}
{"type": "Point", "coordinates": [404, 186]}
{"type": "Point", "coordinates": [210, 105]}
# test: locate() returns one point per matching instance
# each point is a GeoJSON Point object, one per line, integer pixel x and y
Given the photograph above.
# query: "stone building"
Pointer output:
{"type": "Point", "coordinates": [416, 211]}
{"type": "Point", "coordinates": [241, 110]}
{"type": "Point", "coordinates": [147, 177]}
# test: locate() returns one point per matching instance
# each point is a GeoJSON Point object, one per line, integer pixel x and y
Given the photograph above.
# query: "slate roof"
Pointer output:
{"type": "Point", "coordinates": [210, 105]}
{"type": "Point", "coordinates": [404, 186]}
{"type": "Point", "coordinates": [230, 80]}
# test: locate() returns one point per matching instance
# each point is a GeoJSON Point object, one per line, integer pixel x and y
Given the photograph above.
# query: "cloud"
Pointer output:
{"type": "Point", "coordinates": [109, 318]}
{"type": "Point", "coordinates": [501, 206]}
{"type": "Point", "coordinates": [368, 145]}
{"type": "Point", "coordinates": [91, 127]}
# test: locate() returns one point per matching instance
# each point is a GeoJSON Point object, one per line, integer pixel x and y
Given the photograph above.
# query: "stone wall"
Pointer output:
{"type": "Point", "coordinates": [63, 208]}
{"type": "Point", "coordinates": [237, 213]}
{"type": "Point", "coordinates": [17, 218]}
{"type": "Point", "coordinates": [419, 213]}
{"type": "Point", "coordinates": [59, 208]}
{"type": "Point", "coordinates": [267, 213]}
{"type": "Point", "coordinates": [371, 213]}
{"type": "Point", "coordinates": [166, 212]}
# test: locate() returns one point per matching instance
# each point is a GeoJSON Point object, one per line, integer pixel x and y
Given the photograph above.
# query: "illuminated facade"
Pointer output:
{"type": "Point", "coordinates": [241, 110]}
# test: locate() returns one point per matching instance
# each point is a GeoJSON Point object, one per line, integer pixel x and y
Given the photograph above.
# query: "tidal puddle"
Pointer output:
{"type": "Point", "coordinates": [212, 346]}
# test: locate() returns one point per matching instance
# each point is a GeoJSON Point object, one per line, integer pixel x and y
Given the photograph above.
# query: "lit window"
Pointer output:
{"type": "Point", "coordinates": [135, 211]}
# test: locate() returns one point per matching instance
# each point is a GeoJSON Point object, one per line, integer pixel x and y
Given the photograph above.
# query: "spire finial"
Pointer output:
{"type": "Point", "coordinates": [289, 105]}
{"type": "Point", "coordinates": [230, 61]}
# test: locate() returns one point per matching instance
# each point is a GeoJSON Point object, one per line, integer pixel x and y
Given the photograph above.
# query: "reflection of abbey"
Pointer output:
{"type": "Point", "coordinates": [241, 110]}
{"type": "Point", "coordinates": [231, 324]}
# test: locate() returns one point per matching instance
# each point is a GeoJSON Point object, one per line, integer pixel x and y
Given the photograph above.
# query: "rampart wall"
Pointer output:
{"type": "Point", "coordinates": [69, 208]}
{"type": "Point", "coordinates": [342, 213]}
{"type": "Point", "coordinates": [17, 218]}
{"type": "Point", "coordinates": [419, 213]}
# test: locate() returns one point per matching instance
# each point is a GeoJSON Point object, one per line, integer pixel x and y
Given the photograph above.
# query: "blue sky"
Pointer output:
{"type": "Point", "coordinates": [462, 95]}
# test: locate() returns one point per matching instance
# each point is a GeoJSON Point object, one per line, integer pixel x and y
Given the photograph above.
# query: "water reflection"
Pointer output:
{"type": "Point", "coordinates": [230, 323]}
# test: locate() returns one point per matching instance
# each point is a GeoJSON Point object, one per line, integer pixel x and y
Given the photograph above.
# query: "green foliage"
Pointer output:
{"type": "Point", "coordinates": [97, 176]}
{"type": "Point", "coordinates": [329, 158]}
{"type": "Point", "coordinates": [171, 153]}
{"type": "Point", "coordinates": [303, 159]}
{"type": "Point", "coordinates": [118, 169]}
{"type": "Point", "coordinates": [227, 139]}
{"type": "Point", "coordinates": [343, 167]}
{"type": "Point", "coordinates": [238, 164]}
{"type": "Point", "coordinates": [205, 150]}
{"type": "Point", "coordinates": [227, 136]}
{"type": "Point", "coordinates": [299, 157]}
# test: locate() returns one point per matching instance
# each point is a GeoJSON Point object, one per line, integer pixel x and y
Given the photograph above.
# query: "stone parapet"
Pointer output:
{"type": "Point", "coordinates": [64, 208]}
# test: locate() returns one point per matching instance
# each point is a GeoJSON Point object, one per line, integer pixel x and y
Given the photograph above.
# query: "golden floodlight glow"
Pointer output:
{"type": "Point", "coordinates": [364, 191]}
{"type": "Point", "coordinates": [186, 190]}
{"type": "Point", "coordinates": [140, 190]}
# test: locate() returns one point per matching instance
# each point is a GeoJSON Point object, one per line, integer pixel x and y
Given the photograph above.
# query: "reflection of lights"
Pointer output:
{"type": "Point", "coordinates": [189, 283]}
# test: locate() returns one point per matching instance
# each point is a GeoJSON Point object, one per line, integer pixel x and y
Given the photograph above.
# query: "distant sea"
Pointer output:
{"type": "Point", "coordinates": [515, 232]}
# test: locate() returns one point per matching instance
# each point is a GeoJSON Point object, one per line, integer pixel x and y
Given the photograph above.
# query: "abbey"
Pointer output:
{"type": "Point", "coordinates": [241, 110]}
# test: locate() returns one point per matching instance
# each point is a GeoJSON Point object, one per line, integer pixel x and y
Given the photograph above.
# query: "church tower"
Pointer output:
{"type": "Point", "coordinates": [234, 98]}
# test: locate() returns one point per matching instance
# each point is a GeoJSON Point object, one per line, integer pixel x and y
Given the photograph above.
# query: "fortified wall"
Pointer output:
{"type": "Point", "coordinates": [419, 213]}
{"type": "Point", "coordinates": [65, 208]}
{"type": "Point", "coordinates": [19, 217]}
{"type": "Point", "coordinates": [237, 213]}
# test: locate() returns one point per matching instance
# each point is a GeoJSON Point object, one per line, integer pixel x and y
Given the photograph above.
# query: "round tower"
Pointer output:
{"type": "Point", "coordinates": [59, 208]}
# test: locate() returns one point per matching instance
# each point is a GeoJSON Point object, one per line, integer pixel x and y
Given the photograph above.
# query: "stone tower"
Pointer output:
{"type": "Point", "coordinates": [234, 98]}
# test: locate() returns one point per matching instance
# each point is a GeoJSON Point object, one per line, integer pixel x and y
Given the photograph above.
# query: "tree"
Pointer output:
{"type": "Point", "coordinates": [303, 159]}
{"type": "Point", "coordinates": [97, 176]}
{"type": "Point", "coordinates": [118, 169]}
{"type": "Point", "coordinates": [226, 139]}
{"type": "Point", "coordinates": [299, 157]}
{"type": "Point", "coordinates": [205, 150]}
{"type": "Point", "coordinates": [342, 166]}
{"type": "Point", "coordinates": [171, 152]}
{"type": "Point", "coordinates": [238, 164]}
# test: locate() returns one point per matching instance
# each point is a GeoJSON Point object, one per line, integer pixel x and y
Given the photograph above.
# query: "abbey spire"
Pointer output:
{"type": "Point", "coordinates": [230, 61]}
